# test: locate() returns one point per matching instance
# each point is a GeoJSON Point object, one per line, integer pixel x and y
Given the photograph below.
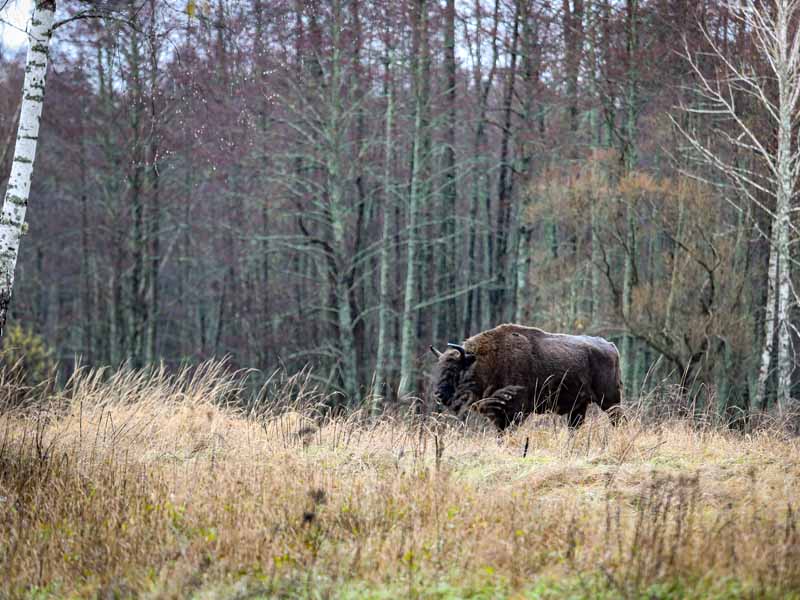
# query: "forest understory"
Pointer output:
{"type": "Point", "coordinates": [142, 484]}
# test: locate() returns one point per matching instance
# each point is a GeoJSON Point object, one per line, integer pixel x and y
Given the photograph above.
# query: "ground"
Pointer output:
{"type": "Point", "coordinates": [147, 486]}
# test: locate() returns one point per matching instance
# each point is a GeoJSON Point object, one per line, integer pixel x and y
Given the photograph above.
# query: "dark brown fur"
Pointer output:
{"type": "Point", "coordinates": [512, 371]}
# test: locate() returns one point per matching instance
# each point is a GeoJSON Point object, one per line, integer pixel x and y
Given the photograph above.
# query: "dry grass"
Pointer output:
{"type": "Point", "coordinates": [149, 486]}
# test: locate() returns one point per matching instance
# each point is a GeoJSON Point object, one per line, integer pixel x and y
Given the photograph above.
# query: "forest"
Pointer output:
{"type": "Point", "coordinates": [233, 231]}
{"type": "Point", "coordinates": [341, 184]}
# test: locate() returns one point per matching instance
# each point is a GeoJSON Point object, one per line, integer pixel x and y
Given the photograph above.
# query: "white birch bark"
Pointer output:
{"type": "Point", "coordinates": [769, 325]}
{"type": "Point", "coordinates": [773, 27]}
{"type": "Point", "coordinates": [785, 364]}
{"type": "Point", "coordinates": [12, 220]}
{"type": "Point", "coordinates": [787, 158]}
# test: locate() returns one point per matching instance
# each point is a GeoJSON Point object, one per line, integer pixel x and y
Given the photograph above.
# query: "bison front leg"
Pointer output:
{"type": "Point", "coordinates": [615, 414]}
{"type": "Point", "coordinates": [577, 415]}
{"type": "Point", "coordinates": [464, 398]}
{"type": "Point", "coordinates": [503, 407]}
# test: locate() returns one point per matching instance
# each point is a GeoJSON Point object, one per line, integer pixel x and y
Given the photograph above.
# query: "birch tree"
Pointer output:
{"type": "Point", "coordinates": [12, 221]}
{"type": "Point", "coordinates": [726, 99]}
{"type": "Point", "coordinates": [409, 321]}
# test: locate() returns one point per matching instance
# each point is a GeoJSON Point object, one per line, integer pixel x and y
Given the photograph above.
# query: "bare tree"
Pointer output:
{"type": "Point", "coordinates": [727, 98]}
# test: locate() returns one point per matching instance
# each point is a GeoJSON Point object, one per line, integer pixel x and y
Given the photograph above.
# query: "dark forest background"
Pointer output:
{"type": "Point", "coordinates": [340, 184]}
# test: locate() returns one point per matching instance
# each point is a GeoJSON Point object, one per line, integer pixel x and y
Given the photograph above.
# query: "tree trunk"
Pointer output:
{"type": "Point", "coordinates": [596, 140]}
{"type": "Point", "coordinates": [769, 327]}
{"type": "Point", "coordinates": [523, 267]}
{"type": "Point", "coordinates": [779, 270]}
{"type": "Point", "coordinates": [12, 221]}
{"type": "Point", "coordinates": [531, 72]}
{"type": "Point", "coordinates": [356, 283]}
{"type": "Point", "coordinates": [154, 218]}
{"type": "Point", "coordinates": [785, 364]}
{"type": "Point", "coordinates": [676, 268]}
{"type": "Point", "coordinates": [629, 163]}
{"type": "Point", "coordinates": [573, 44]}
{"type": "Point", "coordinates": [140, 271]}
{"type": "Point", "coordinates": [786, 188]}
{"type": "Point", "coordinates": [339, 257]}
{"type": "Point", "coordinates": [87, 259]}
{"type": "Point", "coordinates": [381, 365]}
{"type": "Point", "coordinates": [409, 322]}
{"type": "Point", "coordinates": [505, 242]}
{"type": "Point", "coordinates": [447, 251]}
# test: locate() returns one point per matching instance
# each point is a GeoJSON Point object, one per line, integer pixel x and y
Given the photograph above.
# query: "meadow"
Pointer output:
{"type": "Point", "coordinates": [134, 484]}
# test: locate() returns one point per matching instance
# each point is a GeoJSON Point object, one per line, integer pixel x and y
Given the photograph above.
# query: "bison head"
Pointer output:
{"type": "Point", "coordinates": [451, 367]}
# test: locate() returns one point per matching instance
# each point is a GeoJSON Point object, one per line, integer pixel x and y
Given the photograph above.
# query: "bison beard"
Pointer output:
{"type": "Point", "coordinates": [511, 371]}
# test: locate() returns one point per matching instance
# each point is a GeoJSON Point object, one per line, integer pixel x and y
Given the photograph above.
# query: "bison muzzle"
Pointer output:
{"type": "Point", "coordinates": [511, 371]}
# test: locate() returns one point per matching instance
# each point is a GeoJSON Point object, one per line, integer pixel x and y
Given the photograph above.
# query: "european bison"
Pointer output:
{"type": "Point", "coordinates": [511, 371]}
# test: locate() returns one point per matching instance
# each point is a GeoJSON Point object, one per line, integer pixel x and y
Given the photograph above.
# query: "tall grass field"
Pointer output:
{"type": "Point", "coordinates": [145, 485]}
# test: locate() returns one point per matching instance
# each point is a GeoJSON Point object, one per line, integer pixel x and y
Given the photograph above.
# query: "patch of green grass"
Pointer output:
{"type": "Point", "coordinates": [489, 587]}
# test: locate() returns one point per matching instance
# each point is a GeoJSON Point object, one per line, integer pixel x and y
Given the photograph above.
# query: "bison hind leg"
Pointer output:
{"type": "Point", "coordinates": [503, 407]}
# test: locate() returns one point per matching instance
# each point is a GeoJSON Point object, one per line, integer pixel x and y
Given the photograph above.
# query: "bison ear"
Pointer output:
{"type": "Point", "coordinates": [467, 358]}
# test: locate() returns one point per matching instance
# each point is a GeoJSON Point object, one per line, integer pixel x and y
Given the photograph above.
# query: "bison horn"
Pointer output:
{"type": "Point", "coordinates": [459, 348]}
{"type": "Point", "coordinates": [436, 353]}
